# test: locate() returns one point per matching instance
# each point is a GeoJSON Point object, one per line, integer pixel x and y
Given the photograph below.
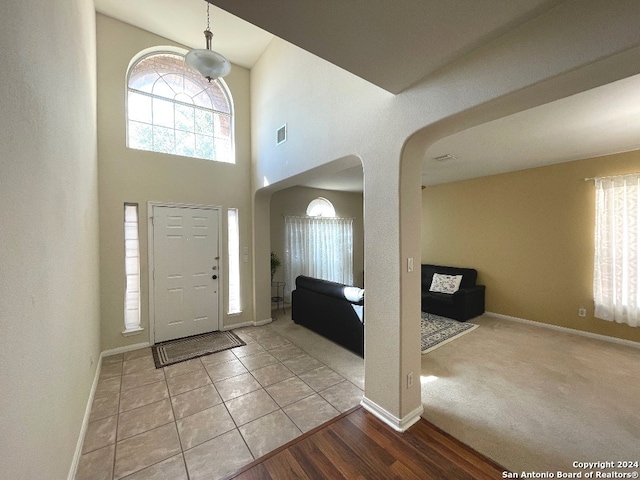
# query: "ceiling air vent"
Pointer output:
{"type": "Point", "coordinates": [281, 134]}
{"type": "Point", "coordinates": [444, 158]}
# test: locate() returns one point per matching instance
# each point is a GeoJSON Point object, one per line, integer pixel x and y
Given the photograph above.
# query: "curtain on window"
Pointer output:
{"type": "Point", "coordinates": [616, 282]}
{"type": "Point", "coordinates": [318, 247]}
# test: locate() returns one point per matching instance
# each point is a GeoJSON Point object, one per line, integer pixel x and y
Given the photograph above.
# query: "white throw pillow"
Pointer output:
{"type": "Point", "coordinates": [445, 283]}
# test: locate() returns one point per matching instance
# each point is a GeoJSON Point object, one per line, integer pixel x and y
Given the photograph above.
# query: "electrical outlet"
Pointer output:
{"type": "Point", "coordinates": [410, 380]}
{"type": "Point", "coordinates": [582, 312]}
{"type": "Point", "coordinates": [410, 264]}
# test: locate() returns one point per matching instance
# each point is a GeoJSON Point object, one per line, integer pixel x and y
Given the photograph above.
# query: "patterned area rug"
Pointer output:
{"type": "Point", "coordinates": [437, 330]}
{"type": "Point", "coordinates": [175, 351]}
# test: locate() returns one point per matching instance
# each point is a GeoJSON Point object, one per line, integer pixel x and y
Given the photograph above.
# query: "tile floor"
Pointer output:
{"type": "Point", "coordinates": [207, 417]}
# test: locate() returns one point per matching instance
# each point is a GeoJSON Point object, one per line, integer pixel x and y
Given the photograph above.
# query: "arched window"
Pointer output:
{"type": "Point", "coordinates": [320, 207]}
{"type": "Point", "coordinates": [171, 109]}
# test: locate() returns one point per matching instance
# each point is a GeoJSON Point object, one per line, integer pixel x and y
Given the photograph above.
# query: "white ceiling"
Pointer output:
{"type": "Point", "coordinates": [601, 121]}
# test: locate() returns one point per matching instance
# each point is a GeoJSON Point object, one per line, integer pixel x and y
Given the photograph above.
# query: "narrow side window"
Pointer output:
{"type": "Point", "coordinates": [132, 270]}
{"type": "Point", "coordinates": [234, 261]}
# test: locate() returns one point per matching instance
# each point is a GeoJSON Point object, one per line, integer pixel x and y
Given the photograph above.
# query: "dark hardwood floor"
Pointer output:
{"type": "Point", "coordinates": [356, 445]}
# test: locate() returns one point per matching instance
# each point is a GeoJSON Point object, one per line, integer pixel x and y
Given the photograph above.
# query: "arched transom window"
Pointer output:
{"type": "Point", "coordinates": [171, 109]}
{"type": "Point", "coordinates": [320, 207]}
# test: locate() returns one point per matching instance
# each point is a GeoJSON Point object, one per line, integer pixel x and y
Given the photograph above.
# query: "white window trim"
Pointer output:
{"type": "Point", "coordinates": [233, 231]}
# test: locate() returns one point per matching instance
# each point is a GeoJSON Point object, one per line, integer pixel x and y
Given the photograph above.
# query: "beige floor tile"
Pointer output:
{"type": "Point", "coordinates": [260, 333]}
{"type": "Point", "coordinates": [217, 457]}
{"type": "Point", "coordinates": [321, 378]}
{"type": "Point", "coordinates": [275, 341]}
{"type": "Point", "coordinates": [249, 349]}
{"type": "Point", "coordinates": [203, 426]}
{"type": "Point", "coordinates": [190, 381]}
{"type": "Point", "coordinates": [247, 408]}
{"type": "Point", "coordinates": [183, 367]}
{"type": "Point", "coordinates": [289, 391]}
{"type": "Point", "coordinates": [108, 386]}
{"type": "Point", "coordinates": [148, 448]}
{"type": "Point", "coordinates": [286, 351]}
{"type": "Point", "coordinates": [139, 353]}
{"type": "Point", "coordinates": [195, 401]}
{"type": "Point", "coordinates": [272, 374]}
{"type": "Point", "coordinates": [258, 360]}
{"type": "Point", "coordinates": [244, 336]}
{"type": "Point", "coordinates": [111, 370]}
{"type": "Point", "coordinates": [100, 434]}
{"type": "Point", "coordinates": [110, 359]}
{"type": "Point", "coordinates": [220, 371]}
{"type": "Point", "coordinates": [310, 412]}
{"type": "Point", "coordinates": [343, 396]}
{"type": "Point", "coordinates": [268, 433]}
{"type": "Point", "coordinates": [144, 395]}
{"type": "Point", "coordinates": [104, 407]}
{"type": "Point", "coordinates": [138, 365]}
{"type": "Point", "coordinates": [301, 364]}
{"type": "Point", "coordinates": [170, 469]}
{"type": "Point", "coordinates": [218, 357]}
{"type": "Point", "coordinates": [235, 386]}
{"type": "Point", "coordinates": [97, 465]}
{"type": "Point", "coordinates": [145, 418]}
{"type": "Point", "coordinates": [143, 378]}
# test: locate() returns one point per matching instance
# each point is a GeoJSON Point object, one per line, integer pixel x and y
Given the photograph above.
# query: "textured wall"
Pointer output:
{"type": "Point", "coordinates": [530, 236]}
{"type": "Point", "coordinates": [128, 175]}
{"type": "Point", "coordinates": [49, 301]}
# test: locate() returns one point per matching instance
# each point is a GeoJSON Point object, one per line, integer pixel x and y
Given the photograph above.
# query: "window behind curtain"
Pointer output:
{"type": "Point", "coordinates": [318, 247]}
{"type": "Point", "coordinates": [616, 279]}
{"type": "Point", "coordinates": [171, 109]}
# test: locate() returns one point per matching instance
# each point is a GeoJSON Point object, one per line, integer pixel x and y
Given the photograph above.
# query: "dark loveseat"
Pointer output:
{"type": "Point", "coordinates": [333, 310]}
{"type": "Point", "coordinates": [466, 303]}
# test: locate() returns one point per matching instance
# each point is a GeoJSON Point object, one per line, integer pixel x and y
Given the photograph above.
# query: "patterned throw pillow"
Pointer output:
{"type": "Point", "coordinates": [445, 283]}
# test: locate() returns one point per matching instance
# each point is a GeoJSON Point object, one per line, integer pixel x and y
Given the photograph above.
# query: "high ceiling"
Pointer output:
{"type": "Point", "coordinates": [396, 44]}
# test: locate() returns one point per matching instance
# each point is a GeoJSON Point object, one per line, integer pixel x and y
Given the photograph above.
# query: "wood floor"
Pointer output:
{"type": "Point", "coordinates": [356, 445]}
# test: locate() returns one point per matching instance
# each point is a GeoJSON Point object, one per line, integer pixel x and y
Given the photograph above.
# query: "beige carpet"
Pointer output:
{"type": "Point", "coordinates": [530, 398]}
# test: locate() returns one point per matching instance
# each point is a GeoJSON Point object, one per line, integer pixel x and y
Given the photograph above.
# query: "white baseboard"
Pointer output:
{"type": "Point", "coordinates": [597, 336]}
{"type": "Point", "coordinates": [398, 424]}
{"type": "Point", "coordinates": [128, 348]}
{"type": "Point", "coordinates": [85, 423]}
{"type": "Point", "coordinates": [250, 323]}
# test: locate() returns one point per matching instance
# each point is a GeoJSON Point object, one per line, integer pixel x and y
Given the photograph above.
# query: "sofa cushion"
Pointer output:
{"type": "Point", "coordinates": [332, 289]}
{"type": "Point", "coordinates": [469, 275]}
{"type": "Point", "coordinates": [445, 283]}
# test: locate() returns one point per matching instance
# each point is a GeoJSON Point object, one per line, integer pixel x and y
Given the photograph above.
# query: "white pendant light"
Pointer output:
{"type": "Point", "coordinates": [209, 64]}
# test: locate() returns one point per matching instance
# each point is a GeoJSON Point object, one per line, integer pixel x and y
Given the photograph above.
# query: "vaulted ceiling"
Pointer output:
{"type": "Point", "coordinates": [394, 44]}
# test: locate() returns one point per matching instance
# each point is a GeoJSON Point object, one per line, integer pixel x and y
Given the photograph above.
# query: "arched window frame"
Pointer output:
{"type": "Point", "coordinates": [217, 114]}
{"type": "Point", "coordinates": [321, 207]}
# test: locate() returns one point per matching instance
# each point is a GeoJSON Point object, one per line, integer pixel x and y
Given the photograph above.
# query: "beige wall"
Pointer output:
{"type": "Point", "coordinates": [49, 299]}
{"type": "Point", "coordinates": [530, 236]}
{"type": "Point", "coordinates": [294, 201]}
{"type": "Point", "coordinates": [128, 175]}
{"type": "Point", "coordinates": [332, 114]}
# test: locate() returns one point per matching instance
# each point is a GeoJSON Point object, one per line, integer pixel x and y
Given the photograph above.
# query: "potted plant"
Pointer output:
{"type": "Point", "coordinates": [275, 263]}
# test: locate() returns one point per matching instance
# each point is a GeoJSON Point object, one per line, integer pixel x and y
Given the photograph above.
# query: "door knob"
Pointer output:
{"type": "Point", "coordinates": [214, 277]}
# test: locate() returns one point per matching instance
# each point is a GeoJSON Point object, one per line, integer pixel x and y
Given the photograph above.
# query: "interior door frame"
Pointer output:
{"type": "Point", "coordinates": [151, 261]}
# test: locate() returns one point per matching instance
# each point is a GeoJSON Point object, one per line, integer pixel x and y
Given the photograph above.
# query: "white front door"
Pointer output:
{"type": "Point", "coordinates": [186, 271]}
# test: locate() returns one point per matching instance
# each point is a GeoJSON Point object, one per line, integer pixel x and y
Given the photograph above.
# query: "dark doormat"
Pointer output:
{"type": "Point", "coordinates": [176, 351]}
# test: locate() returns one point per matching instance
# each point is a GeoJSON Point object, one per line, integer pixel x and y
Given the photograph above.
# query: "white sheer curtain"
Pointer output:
{"type": "Point", "coordinates": [318, 247]}
{"type": "Point", "coordinates": [616, 279]}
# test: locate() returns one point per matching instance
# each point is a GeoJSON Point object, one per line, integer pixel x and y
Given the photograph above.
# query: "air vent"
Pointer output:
{"type": "Point", "coordinates": [281, 134]}
{"type": "Point", "coordinates": [444, 158]}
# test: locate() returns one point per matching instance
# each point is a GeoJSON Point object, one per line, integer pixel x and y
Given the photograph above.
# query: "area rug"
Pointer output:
{"type": "Point", "coordinates": [437, 330]}
{"type": "Point", "coordinates": [176, 351]}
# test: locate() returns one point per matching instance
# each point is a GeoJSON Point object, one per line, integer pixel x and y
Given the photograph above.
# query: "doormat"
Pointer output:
{"type": "Point", "coordinates": [176, 351]}
{"type": "Point", "coordinates": [436, 330]}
